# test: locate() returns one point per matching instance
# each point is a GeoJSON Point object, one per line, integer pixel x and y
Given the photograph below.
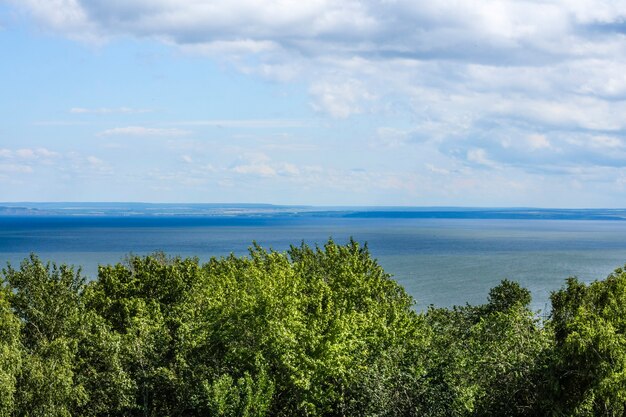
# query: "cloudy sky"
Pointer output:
{"type": "Point", "coordinates": [324, 102]}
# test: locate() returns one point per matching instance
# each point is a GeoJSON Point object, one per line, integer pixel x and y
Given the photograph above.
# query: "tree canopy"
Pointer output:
{"type": "Point", "coordinates": [320, 331]}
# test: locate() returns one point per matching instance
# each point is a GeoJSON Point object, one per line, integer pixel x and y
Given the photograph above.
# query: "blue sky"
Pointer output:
{"type": "Point", "coordinates": [386, 102]}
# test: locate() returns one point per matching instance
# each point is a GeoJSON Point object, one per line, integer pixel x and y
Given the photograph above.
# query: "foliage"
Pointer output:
{"type": "Point", "coordinates": [318, 331]}
{"type": "Point", "coordinates": [590, 332]}
{"type": "Point", "coordinates": [487, 360]}
{"type": "Point", "coordinates": [10, 355]}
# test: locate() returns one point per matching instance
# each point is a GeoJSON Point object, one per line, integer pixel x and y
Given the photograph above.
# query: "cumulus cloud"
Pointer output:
{"type": "Point", "coordinates": [448, 29]}
{"type": "Point", "coordinates": [65, 16]}
{"type": "Point", "coordinates": [522, 83]}
{"type": "Point", "coordinates": [553, 152]}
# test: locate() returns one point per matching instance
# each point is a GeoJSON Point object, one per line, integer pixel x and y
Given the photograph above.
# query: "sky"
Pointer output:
{"type": "Point", "coordinates": [317, 102]}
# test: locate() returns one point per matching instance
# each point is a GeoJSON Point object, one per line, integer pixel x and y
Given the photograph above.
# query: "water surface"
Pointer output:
{"type": "Point", "coordinates": [440, 261]}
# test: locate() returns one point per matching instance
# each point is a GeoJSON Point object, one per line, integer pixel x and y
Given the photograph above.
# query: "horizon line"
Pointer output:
{"type": "Point", "coordinates": [321, 206]}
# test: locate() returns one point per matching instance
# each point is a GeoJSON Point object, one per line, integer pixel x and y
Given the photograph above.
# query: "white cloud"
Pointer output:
{"type": "Point", "coordinates": [437, 170]}
{"type": "Point", "coordinates": [536, 141]}
{"type": "Point", "coordinates": [479, 156]}
{"type": "Point", "coordinates": [143, 131]}
{"type": "Point", "coordinates": [259, 164]}
{"type": "Point", "coordinates": [524, 84]}
{"type": "Point", "coordinates": [94, 161]}
{"type": "Point", "coordinates": [91, 165]}
{"type": "Point", "coordinates": [289, 169]}
{"type": "Point", "coordinates": [248, 123]}
{"type": "Point", "coordinates": [239, 47]}
{"type": "Point", "coordinates": [46, 162]}
{"type": "Point", "coordinates": [66, 16]}
{"type": "Point", "coordinates": [263, 170]}
{"type": "Point", "coordinates": [340, 99]}
{"type": "Point", "coordinates": [28, 154]}
{"type": "Point", "coordinates": [356, 26]}
{"type": "Point", "coordinates": [254, 163]}
{"type": "Point", "coordinates": [511, 44]}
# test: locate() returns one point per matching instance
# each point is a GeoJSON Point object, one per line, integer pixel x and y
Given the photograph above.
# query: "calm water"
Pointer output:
{"type": "Point", "coordinates": [439, 261]}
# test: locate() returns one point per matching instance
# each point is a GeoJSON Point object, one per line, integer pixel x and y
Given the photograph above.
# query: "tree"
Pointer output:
{"type": "Point", "coordinates": [589, 375]}
{"type": "Point", "coordinates": [486, 360]}
{"type": "Point", "coordinates": [46, 300]}
{"type": "Point", "coordinates": [10, 355]}
{"type": "Point", "coordinates": [68, 357]}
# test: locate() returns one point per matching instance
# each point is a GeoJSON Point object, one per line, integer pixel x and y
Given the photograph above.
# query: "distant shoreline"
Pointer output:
{"type": "Point", "coordinates": [268, 211]}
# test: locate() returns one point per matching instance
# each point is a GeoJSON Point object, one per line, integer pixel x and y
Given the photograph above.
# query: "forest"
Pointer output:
{"type": "Point", "coordinates": [313, 331]}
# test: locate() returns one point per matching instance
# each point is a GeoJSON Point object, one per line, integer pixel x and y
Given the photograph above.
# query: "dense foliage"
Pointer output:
{"type": "Point", "coordinates": [311, 332]}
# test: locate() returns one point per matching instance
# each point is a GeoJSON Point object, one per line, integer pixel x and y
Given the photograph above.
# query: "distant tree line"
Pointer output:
{"type": "Point", "coordinates": [310, 332]}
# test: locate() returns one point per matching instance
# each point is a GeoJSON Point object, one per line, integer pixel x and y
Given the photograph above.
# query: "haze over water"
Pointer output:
{"type": "Point", "coordinates": [439, 260]}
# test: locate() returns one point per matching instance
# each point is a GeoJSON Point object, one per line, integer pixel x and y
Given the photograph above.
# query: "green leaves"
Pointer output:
{"type": "Point", "coordinates": [246, 397]}
{"type": "Point", "coordinates": [10, 355]}
{"type": "Point", "coordinates": [318, 331]}
{"type": "Point", "coordinates": [68, 360]}
{"type": "Point", "coordinates": [487, 360]}
{"type": "Point", "coordinates": [590, 333]}
{"type": "Point", "coordinates": [46, 298]}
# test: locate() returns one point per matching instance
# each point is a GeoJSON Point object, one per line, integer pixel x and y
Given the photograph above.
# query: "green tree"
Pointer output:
{"type": "Point", "coordinates": [486, 360]}
{"type": "Point", "coordinates": [69, 362]}
{"type": "Point", "coordinates": [320, 331]}
{"type": "Point", "coordinates": [590, 334]}
{"type": "Point", "coordinates": [10, 355]}
{"type": "Point", "coordinates": [315, 331]}
{"type": "Point", "coordinates": [46, 301]}
{"type": "Point", "coordinates": [142, 302]}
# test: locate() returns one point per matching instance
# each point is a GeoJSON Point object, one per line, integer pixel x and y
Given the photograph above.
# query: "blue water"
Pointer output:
{"type": "Point", "coordinates": [440, 261]}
